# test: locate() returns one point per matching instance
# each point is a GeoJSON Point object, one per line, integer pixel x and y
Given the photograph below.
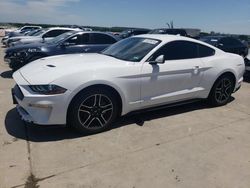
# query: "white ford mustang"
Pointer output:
{"type": "Point", "coordinates": [88, 91]}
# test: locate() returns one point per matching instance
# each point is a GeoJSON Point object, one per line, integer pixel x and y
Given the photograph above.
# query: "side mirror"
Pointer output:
{"type": "Point", "coordinates": [159, 60]}
{"type": "Point", "coordinates": [65, 44]}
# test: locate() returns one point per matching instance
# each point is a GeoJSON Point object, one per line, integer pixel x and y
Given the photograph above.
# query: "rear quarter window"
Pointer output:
{"type": "Point", "coordinates": [205, 51]}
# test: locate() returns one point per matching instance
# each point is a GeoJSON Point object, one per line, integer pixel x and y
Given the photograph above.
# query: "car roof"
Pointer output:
{"type": "Point", "coordinates": [168, 38]}
{"type": "Point", "coordinates": [216, 37]}
{"type": "Point", "coordinates": [165, 37]}
{"type": "Point", "coordinates": [64, 28]}
{"type": "Point", "coordinates": [82, 32]}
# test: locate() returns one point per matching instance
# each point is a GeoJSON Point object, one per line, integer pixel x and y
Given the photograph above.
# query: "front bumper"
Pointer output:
{"type": "Point", "coordinates": [247, 64]}
{"type": "Point", "coordinates": [39, 109]}
{"type": "Point", "coordinates": [15, 61]}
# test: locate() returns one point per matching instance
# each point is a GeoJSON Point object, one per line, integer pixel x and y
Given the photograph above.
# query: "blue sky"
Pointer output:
{"type": "Point", "coordinates": [227, 16]}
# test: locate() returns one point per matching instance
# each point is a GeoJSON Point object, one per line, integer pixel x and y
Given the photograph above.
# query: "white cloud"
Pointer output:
{"type": "Point", "coordinates": [37, 11]}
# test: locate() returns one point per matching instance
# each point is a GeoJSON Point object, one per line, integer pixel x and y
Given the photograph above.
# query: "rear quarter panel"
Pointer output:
{"type": "Point", "coordinates": [217, 65]}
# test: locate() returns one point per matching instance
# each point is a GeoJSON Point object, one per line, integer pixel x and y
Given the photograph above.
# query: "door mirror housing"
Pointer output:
{"type": "Point", "coordinates": [65, 44]}
{"type": "Point", "coordinates": [159, 60]}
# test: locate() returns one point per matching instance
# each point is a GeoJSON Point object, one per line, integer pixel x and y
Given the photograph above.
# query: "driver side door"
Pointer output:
{"type": "Point", "coordinates": [76, 44]}
{"type": "Point", "coordinates": [177, 79]}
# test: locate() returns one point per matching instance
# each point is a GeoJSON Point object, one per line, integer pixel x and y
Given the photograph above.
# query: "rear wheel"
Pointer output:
{"type": "Point", "coordinates": [221, 91]}
{"type": "Point", "coordinates": [93, 111]}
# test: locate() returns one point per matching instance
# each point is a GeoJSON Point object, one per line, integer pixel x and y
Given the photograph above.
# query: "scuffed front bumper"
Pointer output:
{"type": "Point", "coordinates": [38, 109]}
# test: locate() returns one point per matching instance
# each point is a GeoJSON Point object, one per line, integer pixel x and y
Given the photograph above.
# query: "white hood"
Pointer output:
{"type": "Point", "coordinates": [25, 37]}
{"type": "Point", "coordinates": [46, 70]}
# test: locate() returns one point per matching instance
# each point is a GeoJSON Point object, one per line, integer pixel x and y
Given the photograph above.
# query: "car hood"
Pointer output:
{"type": "Point", "coordinates": [25, 37]}
{"type": "Point", "coordinates": [49, 69]}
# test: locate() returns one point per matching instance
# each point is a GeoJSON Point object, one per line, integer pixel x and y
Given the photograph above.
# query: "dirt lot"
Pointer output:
{"type": "Point", "coordinates": [191, 146]}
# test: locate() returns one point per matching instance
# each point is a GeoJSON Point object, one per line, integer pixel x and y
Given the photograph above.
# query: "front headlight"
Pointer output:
{"type": "Point", "coordinates": [20, 54]}
{"type": "Point", "coordinates": [47, 89]}
{"type": "Point", "coordinates": [14, 40]}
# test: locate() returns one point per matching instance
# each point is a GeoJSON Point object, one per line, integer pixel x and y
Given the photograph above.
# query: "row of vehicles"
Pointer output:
{"type": "Point", "coordinates": [55, 41]}
{"type": "Point", "coordinates": [32, 42]}
{"type": "Point", "coordinates": [88, 91]}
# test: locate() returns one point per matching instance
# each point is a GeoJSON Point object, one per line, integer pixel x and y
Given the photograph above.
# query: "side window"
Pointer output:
{"type": "Point", "coordinates": [178, 50]}
{"type": "Point", "coordinates": [85, 38]}
{"type": "Point", "coordinates": [98, 38]}
{"type": "Point", "coordinates": [236, 42]}
{"type": "Point", "coordinates": [205, 51]}
{"type": "Point", "coordinates": [75, 40]}
{"type": "Point", "coordinates": [54, 33]}
{"type": "Point", "coordinates": [229, 41]}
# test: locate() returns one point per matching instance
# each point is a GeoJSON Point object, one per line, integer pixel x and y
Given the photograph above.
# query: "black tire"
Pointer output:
{"type": "Point", "coordinates": [222, 90]}
{"type": "Point", "coordinates": [90, 111]}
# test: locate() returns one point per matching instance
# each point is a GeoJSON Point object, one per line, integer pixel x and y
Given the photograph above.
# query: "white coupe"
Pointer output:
{"type": "Point", "coordinates": [88, 91]}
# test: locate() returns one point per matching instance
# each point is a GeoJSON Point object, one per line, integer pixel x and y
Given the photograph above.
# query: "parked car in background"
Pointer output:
{"type": "Point", "coordinates": [27, 33]}
{"type": "Point", "coordinates": [43, 35]}
{"type": "Point", "coordinates": [24, 29]}
{"type": "Point", "coordinates": [67, 43]}
{"type": "Point", "coordinates": [88, 91]}
{"type": "Point", "coordinates": [19, 32]}
{"type": "Point", "coordinates": [181, 32]}
{"type": "Point", "coordinates": [132, 32]}
{"type": "Point", "coordinates": [227, 44]}
{"type": "Point", "coordinates": [247, 64]}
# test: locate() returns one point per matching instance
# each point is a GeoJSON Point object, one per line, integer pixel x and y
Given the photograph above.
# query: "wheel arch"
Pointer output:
{"type": "Point", "coordinates": [116, 90]}
{"type": "Point", "coordinates": [227, 72]}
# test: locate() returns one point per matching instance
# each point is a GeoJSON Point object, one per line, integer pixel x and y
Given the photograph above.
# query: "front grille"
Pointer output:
{"type": "Point", "coordinates": [18, 93]}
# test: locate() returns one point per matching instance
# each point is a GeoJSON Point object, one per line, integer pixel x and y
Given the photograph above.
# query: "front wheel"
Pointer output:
{"type": "Point", "coordinates": [93, 111]}
{"type": "Point", "coordinates": [221, 92]}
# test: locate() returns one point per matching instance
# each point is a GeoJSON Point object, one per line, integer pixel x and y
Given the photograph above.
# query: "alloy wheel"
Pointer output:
{"type": "Point", "coordinates": [95, 111]}
{"type": "Point", "coordinates": [223, 90]}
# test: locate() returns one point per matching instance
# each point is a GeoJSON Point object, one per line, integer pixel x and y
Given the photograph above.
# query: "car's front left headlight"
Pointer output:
{"type": "Point", "coordinates": [49, 89]}
{"type": "Point", "coordinates": [13, 40]}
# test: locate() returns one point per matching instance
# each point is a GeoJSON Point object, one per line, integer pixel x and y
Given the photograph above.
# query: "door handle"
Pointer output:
{"type": "Point", "coordinates": [196, 69]}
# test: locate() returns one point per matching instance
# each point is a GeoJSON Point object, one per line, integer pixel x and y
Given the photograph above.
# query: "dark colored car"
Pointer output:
{"type": "Point", "coordinates": [67, 43]}
{"type": "Point", "coordinates": [227, 44]}
{"type": "Point", "coordinates": [247, 64]}
{"type": "Point", "coordinates": [181, 32]}
{"type": "Point", "coordinates": [131, 32]}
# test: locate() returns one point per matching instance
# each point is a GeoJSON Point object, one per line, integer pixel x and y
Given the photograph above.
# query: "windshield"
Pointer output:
{"type": "Point", "coordinates": [131, 49]}
{"type": "Point", "coordinates": [40, 32]}
{"type": "Point", "coordinates": [61, 37]}
{"type": "Point", "coordinates": [32, 33]}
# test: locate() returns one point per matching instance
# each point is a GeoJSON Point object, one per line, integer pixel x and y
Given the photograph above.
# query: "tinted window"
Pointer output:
{"type": "Point", "coordinates": [97, 38]}
{"type": "Point", "coordinates": [75, 40]}
{"type": "Point", "coordinates": [85, 39]}
{"type": "Point", "coordinates": [205, 51]}
{"type": "Point", "coordinates": [178, 50]}
{"type": "Point", "coordinates": [131, 49]}
{"type": "Point", "coordinates": [230, 42]}
{"type": "Point", "coordinates": [55, 33]}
